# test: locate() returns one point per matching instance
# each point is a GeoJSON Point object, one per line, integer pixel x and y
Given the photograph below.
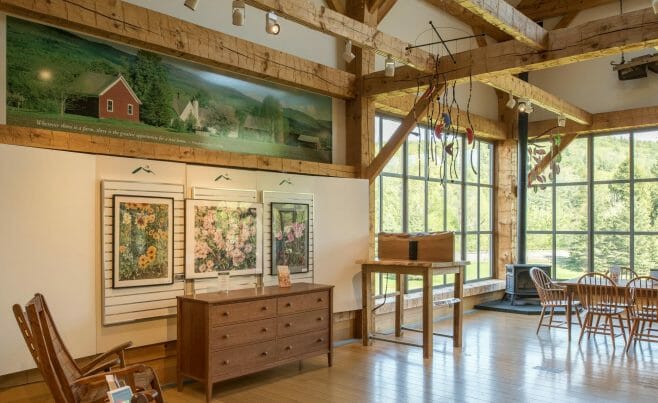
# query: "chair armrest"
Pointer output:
{"type": "Point", "coordinates": [120, 372]}
{"type": "Point", "coordinates": [104, 367]}
{"type": "Point", "coordinates": [117, 350]}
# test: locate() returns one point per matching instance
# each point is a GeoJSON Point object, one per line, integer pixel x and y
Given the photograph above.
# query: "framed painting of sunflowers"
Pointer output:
{"type": "Point", "coordinates": [143, 230]}
{"type": "Point", "coordinates": [222, 236]}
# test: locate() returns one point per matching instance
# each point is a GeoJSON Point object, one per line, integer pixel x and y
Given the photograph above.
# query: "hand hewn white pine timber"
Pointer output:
{"type": "Point", "coordinates": [127, 23]}
{"type": "Point", "coordinates": [549, 157]}
{"type": "Point", "coordinates": [605, 122]}
{"type": "Point", "coordinates": [484, 128]}
{"type": "Point", "coordinates": [542, 9]}
{"type": "Point", "coordinates": [324, 19]}
{"type": "Point", "coordinates": [502, 15]}
{"type": "Point", "coordinates": [604, 37]}
{"type": "Point", "coordinates": [566, 20]}
{"type": "Point", "coordinates": [406, 126]}
{"type": "Point", "coordinates": [539, 97]}
{"type": "Point", "coordinates": [383, 10]}
{"type": "Point", "coordinates": [478, 23]}
{"type": "Point", "coordinates": [336, 5]}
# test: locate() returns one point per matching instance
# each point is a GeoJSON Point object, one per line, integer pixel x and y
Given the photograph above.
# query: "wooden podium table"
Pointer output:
{"type": "Point", "coordinates": [425, 270]}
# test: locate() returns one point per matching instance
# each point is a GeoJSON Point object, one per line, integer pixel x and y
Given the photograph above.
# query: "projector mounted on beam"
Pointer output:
{"type": "Point", "coordinates": [636, 68]}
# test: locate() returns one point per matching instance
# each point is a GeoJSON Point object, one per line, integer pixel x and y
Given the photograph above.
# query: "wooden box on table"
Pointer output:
{"type": "Point", "coordinates": [430, 247]}
{"type": "Point", "coordinates": [224, 335]}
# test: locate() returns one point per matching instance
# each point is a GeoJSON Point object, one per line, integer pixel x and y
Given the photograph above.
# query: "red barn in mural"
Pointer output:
{"type": "Point", "coordinates": [103, 96]}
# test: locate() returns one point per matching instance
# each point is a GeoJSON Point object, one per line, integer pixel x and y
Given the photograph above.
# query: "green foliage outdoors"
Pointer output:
{"type": "Point", "coordinates": [149, 79]}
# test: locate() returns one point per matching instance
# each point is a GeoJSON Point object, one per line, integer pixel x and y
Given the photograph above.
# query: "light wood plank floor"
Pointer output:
{"type": "Point", "coordinates": [502, 361]}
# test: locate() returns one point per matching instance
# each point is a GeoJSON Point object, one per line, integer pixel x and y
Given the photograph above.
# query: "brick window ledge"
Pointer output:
{"type": "Point", "coordinates": [415, 299]}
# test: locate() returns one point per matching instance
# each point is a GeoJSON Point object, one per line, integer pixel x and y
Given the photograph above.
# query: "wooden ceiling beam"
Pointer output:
{"type": "Point", "coordinates": [542, 9]}
{"type": "Point", "coordinates": [605, 122]}
{"type": "Point", "coordinates": [502, 15]}
{"type": "Point", "coordinates": [336, 5]}
{"type": "Point", "coordinates": [324, 19]}
{"type": "Point", "coordinates": [566, 20]}
{"type": "Point", "coordinates": [138, 26]}
{"type": "Point", "coordinates": [539, 97]}
{"type": "Point", "coordinates": [383, 10]}
{"type": "Point", "coordinates": [604, 37]}
{"type": "Point", "coordinates": [464, 15]}
{"type": "Point", "coordinates": [406, 126]}
{"type": "Point", "coordinates": [484, 128]}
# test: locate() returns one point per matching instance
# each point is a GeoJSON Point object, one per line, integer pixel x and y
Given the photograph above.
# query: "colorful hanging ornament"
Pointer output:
{"type": "Point", "coordinates": [470, 136]}
{"type": "Point", "coordinates": [446, 120]}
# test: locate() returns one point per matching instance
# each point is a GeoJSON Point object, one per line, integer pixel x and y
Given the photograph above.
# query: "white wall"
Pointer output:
{"type": "Point", "coordinates": [50, 240]}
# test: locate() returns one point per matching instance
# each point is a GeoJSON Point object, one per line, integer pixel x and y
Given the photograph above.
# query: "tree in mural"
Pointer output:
{"type": "Point", "coordinates": [148, 77]}
{"type": "Point", "coordinates": [272, 115]}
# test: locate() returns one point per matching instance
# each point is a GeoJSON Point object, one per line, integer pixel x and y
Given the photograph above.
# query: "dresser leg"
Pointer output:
{"type": "Point", "coordinates": [208, 392]}
{"type": "Point", "coordinates": [330, 359]}
{"type": "Point", "coordinates": [179, 382]}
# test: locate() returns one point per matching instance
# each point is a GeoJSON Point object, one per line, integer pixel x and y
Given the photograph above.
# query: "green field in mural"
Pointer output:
{"type": "Point", "coordinates": [64, 81]}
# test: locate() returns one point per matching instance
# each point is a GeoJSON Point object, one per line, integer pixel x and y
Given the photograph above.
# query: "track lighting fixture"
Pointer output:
{"type": "Point", "coordinates": [654, 4]}
{"type": "Point", "coordinates": [348, 55]}
{"type": "Point", "coordinates": [389, 66]}
{"type": "Point", "coordinates": [561, 121]}
{"type": "Point", "coordinates": [239, 15]}
{"type": "Point", "coordinates": [511, 102]}
{"type": "Point", "coordinates": [271, 26]}
{"type": "Point", "coordinates": [525, 106]}
{"type": "Point", "coordinates": [191, 4]}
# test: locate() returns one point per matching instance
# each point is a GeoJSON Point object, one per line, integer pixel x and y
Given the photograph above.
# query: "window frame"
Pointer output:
{"type": "Point", "coordinates": [109, 105]}
{"type": "Point", "coordinates": [130, 109]}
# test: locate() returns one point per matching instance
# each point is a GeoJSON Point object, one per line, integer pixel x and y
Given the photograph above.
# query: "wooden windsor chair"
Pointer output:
{"type": "Point", "coordinates": [552, 296]}
{"type": "Point", "coordinates": [602, 299]}
{"type": "Point", "coordinates": [67, 381]}
{"type": "Point", "coordinates": [644, 310]}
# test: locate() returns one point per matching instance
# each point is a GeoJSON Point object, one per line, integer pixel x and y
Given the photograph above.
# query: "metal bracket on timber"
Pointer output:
{"type": "Point", "coordinates": [548, 158]}
{"type": "Point", "coordinates": [406, 126]}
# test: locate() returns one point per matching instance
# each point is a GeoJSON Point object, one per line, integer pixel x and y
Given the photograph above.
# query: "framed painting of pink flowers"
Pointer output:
{"type": "Point", "coordinates": [143, 241]}
{"type": "Point", "coordinates": [290, 236]}
{"type": "Point", "coordinates": [222, 236]}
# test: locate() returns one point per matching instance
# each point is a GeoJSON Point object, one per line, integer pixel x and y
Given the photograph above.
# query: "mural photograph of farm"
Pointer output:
{"type": "Point", "coordinates": [60, 80]}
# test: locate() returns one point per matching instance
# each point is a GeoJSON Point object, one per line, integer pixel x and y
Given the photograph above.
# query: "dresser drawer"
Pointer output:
{"type": "Point", "coordinates": [242, 311]}
{"type": "Point", "coordinates": [302, 322]}
{"type": "Point", "coordinates": [242, 333]}
{"type": "Point", "coordinates": [303, 302]}
{"type": "Point", "coordinates": [287, 347]}
{"type": "Point", "coordinates": [234, 359]}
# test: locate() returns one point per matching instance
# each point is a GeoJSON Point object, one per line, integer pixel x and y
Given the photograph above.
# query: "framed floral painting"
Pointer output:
{"type": "Point", "coordinates": [143, 229]}
{"type": "Point", "coordinates": [221, 236]}
{"type": "Point", "coordinates": [290, 236]}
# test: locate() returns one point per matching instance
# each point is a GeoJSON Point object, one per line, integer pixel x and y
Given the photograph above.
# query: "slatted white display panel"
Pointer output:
{"type": "Point", "coordinates": [121, 305]}
{"type": "Point", "coordinates": [235, 195]}
{"type": "Point", "coordinates": [270, 197]}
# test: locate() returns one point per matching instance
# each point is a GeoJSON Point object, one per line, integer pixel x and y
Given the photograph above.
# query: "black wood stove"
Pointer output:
{"type": "Point", "coordinates": [518, 282]}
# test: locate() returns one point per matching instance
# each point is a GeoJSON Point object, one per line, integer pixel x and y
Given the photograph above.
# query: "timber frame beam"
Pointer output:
{"type": "Point", "coordinates": [127, 23]}
{"type": "Point", "coordinates": [478, 23]}
{"type": "Point", "coordinates": [540, 10]}
{"type": "Point", "coordinates": [548, 158]}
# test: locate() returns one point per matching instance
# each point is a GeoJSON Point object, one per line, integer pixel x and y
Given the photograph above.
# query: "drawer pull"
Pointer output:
{"type": "Point", "coordinates": [289, 304]}
{"type": "Point", "coordinates": [320, 299]}
{"type": "Point", "coordinates": [288, 324]}
{"type": "Point", "coordinates": [226, 336]}
{"type": "Point", "coordinates": [225, 362]}
{"type": "Point", "coordinates": [320, 340]}
{"type": "Point", "coordinates": [225, 313]}
{"type": "Point", "coordinates": [264, 329]}
{"type": "Point", "coordinates": [288, 347]}
{"type": "Point", "coordinates": [265, 354]}
{"type": "Point", "coordinates": [265, 308]}
{"type": "Point", "coordinates": [320, 318]}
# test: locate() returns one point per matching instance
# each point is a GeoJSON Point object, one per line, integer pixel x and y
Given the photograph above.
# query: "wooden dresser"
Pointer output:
{"type": "Point", "coordinates": [224, 335]}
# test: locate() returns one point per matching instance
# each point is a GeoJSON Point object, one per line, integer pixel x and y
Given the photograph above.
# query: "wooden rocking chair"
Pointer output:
{"type": "Point", "coordinates": [67, 381]}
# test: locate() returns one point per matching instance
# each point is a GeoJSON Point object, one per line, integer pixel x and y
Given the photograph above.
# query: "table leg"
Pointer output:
{"type": "Point", "coordinates": [428, 317]}
{"type": "Point", "coordinates": [458, 309]}
{"type": "Point", "coordinates": [399, 305]}
{"type": "Point", "coordinates": [568, 313]}
{"type": "Point", "coordinates": [366, 288]}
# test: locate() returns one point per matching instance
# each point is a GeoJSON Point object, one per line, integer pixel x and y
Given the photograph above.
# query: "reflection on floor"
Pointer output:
{"type": "Point", "coordinates": [502, 361]}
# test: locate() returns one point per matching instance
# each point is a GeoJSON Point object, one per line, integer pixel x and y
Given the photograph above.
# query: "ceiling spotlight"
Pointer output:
{"type": "Point", "coordinates": [348, 55]}
{"type": "Point", "coordinates": [238, 13]}
{"type": "Point", "coordinates": [191, 4]}
{"type": "Point", "coordinates": [511, 103]}
{"type": "Point", "coordinates": [271, 26]}
{"type": "Point", "coordinates": [654, 4]}
{"type": "Point", "coordinates": [389, 66]}
{"type": "Point", "coordinates": [525, 106]}
{"type": "Point", "coordinates": [561, 121]}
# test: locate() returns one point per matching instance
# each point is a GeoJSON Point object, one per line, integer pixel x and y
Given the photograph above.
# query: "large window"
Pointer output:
{"type": "Point", "coordinates": [601, 209]}
{"type": "Point", "coordinates": [420, 192]}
